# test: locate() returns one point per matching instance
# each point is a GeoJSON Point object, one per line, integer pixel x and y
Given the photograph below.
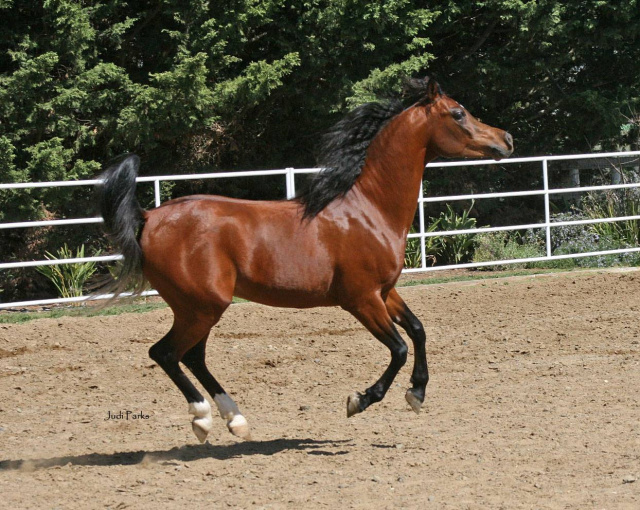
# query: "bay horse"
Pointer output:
{"type": "Point", "coordinates": [340, 243]}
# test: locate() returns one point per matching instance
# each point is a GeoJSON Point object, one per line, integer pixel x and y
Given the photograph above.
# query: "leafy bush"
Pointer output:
{"type": "Point", "coordinates": [413, 250]}
{"type": "Point", "coordinates": [612, 203]}
{"type": "Point", "coordinates": [582, 239]}
{"type": "Point", "coordinates": [69, 279]}
{"type": "Point", "coordinates": [505, 246]}
{"type": "Point", "coordinates": [456, 248]}
{"type": "Point", "coordinates": [451, 249]}
{"type": "Point", "coordinates": [594, 242]}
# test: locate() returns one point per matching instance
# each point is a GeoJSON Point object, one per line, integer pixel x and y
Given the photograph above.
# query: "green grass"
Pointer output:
{"type": "Point", "coordinates": [480, 276]}
{"type": "Point", "coordinates": [141, 306]}
{"type": "Point", "coordinates": [79, 311]}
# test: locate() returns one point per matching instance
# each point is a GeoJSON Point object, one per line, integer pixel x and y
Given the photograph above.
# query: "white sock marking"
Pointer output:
{"type": "Point", "coordinates": [226, 406]}
{"type": "Point", "coordinates": [200, 409]}
{"type": "Point", "coordinates": [203, 421]}
{"type": "Point", "coordinates": [236, 423]}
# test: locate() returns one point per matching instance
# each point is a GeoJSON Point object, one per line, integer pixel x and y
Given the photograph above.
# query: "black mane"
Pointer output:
{"type": "Point", "coordinates": [343, 148]}
{"type": "Point", "coordinates": [342, 151]}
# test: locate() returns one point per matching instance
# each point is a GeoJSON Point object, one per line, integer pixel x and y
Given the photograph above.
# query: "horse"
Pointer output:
{"type": "Point", "coordinates": [339, 243]}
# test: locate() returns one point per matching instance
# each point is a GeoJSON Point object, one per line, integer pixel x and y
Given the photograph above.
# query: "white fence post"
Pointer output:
{"type": "Point", "coordinates": [291, 183]}
{"type": "Point", "coordinates": [423, 239]}
{"type": "Point", "coordinates": [547, 211]}
{"type": "Point", "coordinates": [156, 191]}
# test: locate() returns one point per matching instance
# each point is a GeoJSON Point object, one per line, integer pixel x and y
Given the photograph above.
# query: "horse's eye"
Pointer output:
{"type": "Point", "coordinates": [458, 114]}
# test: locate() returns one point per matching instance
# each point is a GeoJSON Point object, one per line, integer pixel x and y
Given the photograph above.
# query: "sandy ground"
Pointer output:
{"type": "Point", "coordinates": [533, 403]}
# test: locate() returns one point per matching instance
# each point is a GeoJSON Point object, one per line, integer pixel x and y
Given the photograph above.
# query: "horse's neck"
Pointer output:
{"type": "Point", "coordinates": [392, 173]}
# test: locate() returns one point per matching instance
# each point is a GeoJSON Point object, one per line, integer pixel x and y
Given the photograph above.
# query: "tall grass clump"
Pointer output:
{"type": "Point", "coordinates": [413, 250]}
{"type": "Point", "coordinates": [448, 249]}
{"type": "Point", "coordinates": [456, 248]}
{"type": "Point", "coordinates": [615, 203]}
{"type": "Point", "coordinates": [68, 279]}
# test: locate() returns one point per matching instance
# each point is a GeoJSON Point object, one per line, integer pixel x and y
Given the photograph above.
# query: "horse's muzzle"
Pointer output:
{"type": "Point", "coordinates": [498, 151]}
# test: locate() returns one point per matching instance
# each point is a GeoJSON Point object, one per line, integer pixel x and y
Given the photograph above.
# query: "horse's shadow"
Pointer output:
{"type": "Point", "coordinates": [186, 453]}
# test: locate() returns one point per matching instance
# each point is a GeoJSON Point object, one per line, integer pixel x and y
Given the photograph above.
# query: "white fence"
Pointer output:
{"type": "Point", "coordinates": [290, 174]}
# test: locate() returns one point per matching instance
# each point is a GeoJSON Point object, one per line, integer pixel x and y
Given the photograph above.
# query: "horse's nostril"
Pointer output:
{"type": "Point", "coordinates": [508, 140]}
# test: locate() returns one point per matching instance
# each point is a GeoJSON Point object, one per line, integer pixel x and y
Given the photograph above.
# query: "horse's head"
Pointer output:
{"type": "Point", "coordinates": [455, 133]}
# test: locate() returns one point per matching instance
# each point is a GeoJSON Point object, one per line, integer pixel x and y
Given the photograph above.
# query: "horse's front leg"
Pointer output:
{"type": "Point", "coordinates": [400, 314]}
{"type": "Point", "coordinates": [372, 313]}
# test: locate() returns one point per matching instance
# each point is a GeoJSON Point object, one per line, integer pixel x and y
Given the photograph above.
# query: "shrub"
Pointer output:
{"type": "Point", "coordinates": [612, 203]}
{"type": "Point", "coordinates": [451, 249]}
{"type": "Point", "coordinates": [582, 239]}
{"type": "Point", "coordinates": [456, 248]}
{"type": "Point", "coordinates": [505, 246]}
{"type": "Point", "coordinates": [69, 279]}
{"type": "Point", "coordinates": [413, 250]}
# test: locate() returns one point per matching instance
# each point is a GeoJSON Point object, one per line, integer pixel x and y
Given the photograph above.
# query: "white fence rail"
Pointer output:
{"type": "Point", "coordinates": [290, 174]}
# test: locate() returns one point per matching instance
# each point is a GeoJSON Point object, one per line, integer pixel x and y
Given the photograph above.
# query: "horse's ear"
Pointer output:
{"type": "Point", "coordinates": [433, 91]}
{"type": "Point", "coordinates": [421, 90]}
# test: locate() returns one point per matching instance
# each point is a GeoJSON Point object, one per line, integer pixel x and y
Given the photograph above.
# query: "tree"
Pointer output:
{"type": "Point", "coordinates": [197, 85]}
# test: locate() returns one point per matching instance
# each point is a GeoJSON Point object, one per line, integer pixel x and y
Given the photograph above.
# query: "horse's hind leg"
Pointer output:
{"type": "Point", "coordinates": [194, 360]}
{"type": "Point", "coordinates": [169, 351]}
{"type": "Point", "coordinates": [400, 314]}
{"type": "Point", "coordinates": [373, 315]}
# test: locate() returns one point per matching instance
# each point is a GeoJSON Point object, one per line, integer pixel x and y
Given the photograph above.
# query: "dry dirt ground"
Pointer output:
{"type": "Point", "coordinates": [533, 403]}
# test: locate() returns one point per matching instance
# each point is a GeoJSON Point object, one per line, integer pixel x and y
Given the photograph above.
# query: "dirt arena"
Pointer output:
{"type": "Point", "coordinates": [533, 403]}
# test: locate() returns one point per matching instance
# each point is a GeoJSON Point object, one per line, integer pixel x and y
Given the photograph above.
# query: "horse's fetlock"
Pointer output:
{"type": "Point", "coordinates": [419, 379]}
{"type": "Point", "coordinates": [374, 394]}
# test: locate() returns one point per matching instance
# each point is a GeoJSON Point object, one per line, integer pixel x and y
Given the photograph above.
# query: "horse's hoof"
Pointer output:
{"type": "Point", "coordinates": [201, 427]}
{"type": "Point", "coordinates": [238, 426]}
{"type": "Point", "coordinates": [413, 401]}
{"type": "Point", "coordinates": [353, 405]}
{"type": "Point", "coordinates": [202, 422]}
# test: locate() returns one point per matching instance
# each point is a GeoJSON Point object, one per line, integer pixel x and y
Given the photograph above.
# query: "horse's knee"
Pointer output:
{"type": "Point", "coordinates": [416, 330]}
{"type": "Point", "coordinates": [400, 353]}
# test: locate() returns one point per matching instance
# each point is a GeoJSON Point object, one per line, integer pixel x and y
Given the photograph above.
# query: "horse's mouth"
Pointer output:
{"type": "Point", "coordinates": [499, 153]}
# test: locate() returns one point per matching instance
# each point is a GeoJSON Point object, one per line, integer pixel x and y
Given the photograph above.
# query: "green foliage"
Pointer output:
{"type": "Point", "coordinates": [562, 75]}
{"type": "Point", "coordinates": [583, 238]}
{"type": "Point", "coordinates": [68, 279]}
{"type": "Point", "coordinates": [610, 204]}
{"type": "Point", "coordinates": [505, 246]}
{"type": "Point", "coordinates": [456, 248]}
{"type": "Point", "coordinates": [167, 79]}
{"type": "Point", "coordinates": [413, 249]}
{"type": "Point", "coordinates": [443, 250]}
{"type": "Point", "coordinates": [590, 243]}
{"type": "Point", "coordinates": [201, 85]}
{"type": "Point", "coordinates": [605, 236]}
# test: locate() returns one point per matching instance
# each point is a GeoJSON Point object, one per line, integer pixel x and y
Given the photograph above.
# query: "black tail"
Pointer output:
{"type": "Point", "coordinates": [123, 222]}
